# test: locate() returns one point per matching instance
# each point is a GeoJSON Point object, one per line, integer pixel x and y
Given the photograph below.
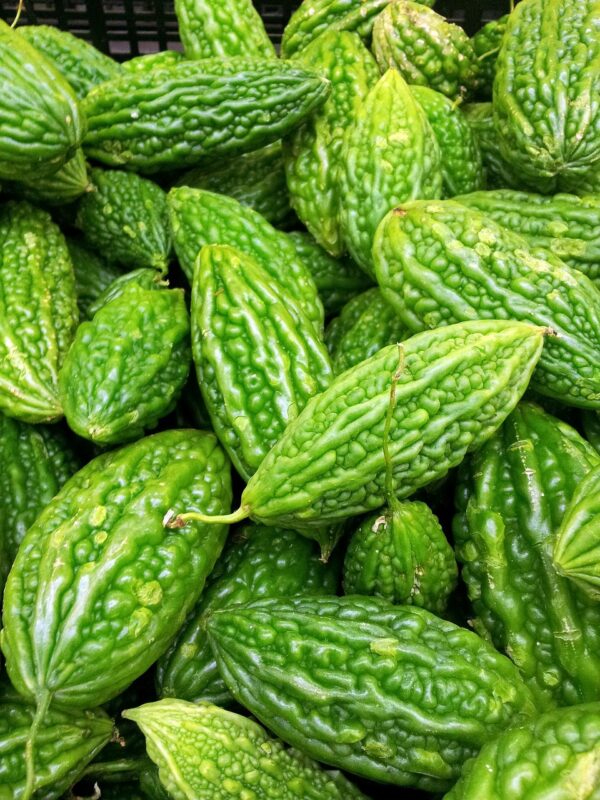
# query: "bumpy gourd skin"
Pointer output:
{"type": "Point", "coordinates": [257, 562]}
{"type": "Point", "coordinates": [204, 751]}
{"type": "Point", "coordinates": [392, 693]}
{"type": "Point", "coordinates": [126, 217]}
{"type": "Point", "coordinates": [150, 61]}
{"type": "Point", "coordinates": [198, 218]}
{"type": "Point", "coordinates": [92, 275]}
{"type": "Point", "coordinates": [40, 95]}
{"type": "Point", "coordinates": [425, 48]}
{"type": "Point", "coordinates": [461, 166]}
{"type": "Point", "coordinates": [497, 171]}
{"type": "Point", "coordinates": [254, 179]}
{"type": "Point", "coordinates": [258, 358]}
{"type": "Point", "coordinates": [222, 28]}
{"type": "Point", "coordinates": [127, 366]}
{"type": "Point", "coordinates": [145, 278]}
{"type": "Point", "coordinates": [389, 155]}
{"type": "Point", "coordinates": [67, 742]}
{"type": "Point", "coordinates": [455, 386]}
{"type": "Point", "coordinates": [547, 90]}
{"type": "Point", "coordinates": [365, 325]}
{"type": "Point", "coordinates": [80, 64]}
{"type": "Point", "coordinates": [557, 756]}
{"type": "Point", "coordinates": [403, 556]}
{"type": "Point", "coordinates": [63, 186]}
{"type": "Point", "coordinates": [173, 117]}
{"type": "Point", "coordinates": [510, 503]}
{"type": "Point", "coordinates": [99, 579]}
{"type": "Point", "coordinates": [441, 262]}
{"type": "Point", "coordinates": [564, 224]}
{"type": "Point", "coordinates": [315, 17]}
{"type": "Point", "coordinates": [36, 462]}
{"type": "Point", "coordinates": [337, 279]}
{"type": "Point", "coordinates": [577, 546]}
{"type": "Point", "coordinates": [38, 312]}
{"type": "Point", "coordinates": [313, 152]}
{"type": "Point", "coordinates": [590, 422]}
{"type": "Point", "coordinates": [486, 44]}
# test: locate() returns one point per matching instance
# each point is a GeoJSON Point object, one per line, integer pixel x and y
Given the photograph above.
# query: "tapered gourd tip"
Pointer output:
{"type": "Point", "coordinates": [173, 520]}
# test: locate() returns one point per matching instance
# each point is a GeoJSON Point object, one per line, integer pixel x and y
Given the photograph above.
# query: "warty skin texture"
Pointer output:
{"type": "Point", "coordinates": [510, 500]}
{"type": "Point", "coordinates": [313, 151]}
{"type": "Point", "coordinates": [257, 562]}
{"type": "Point", "coordinates": [439, 262]}
{"type": "Point", "coordinates": [556, 756]}
{"type": "Point", "coordinates": [222, 28]}
{"type": "Point", "coordinates": [127, 366]}
{"type": "Point", "coordinates": [174, 117]}
{"type": "Point", "coordinates": [40, 95]}
{"type": "Point", "coordinates": [38, 312]}
{"type": "Point", "coordinates": [205, 752]}
{"type": "Point", "coordinates": [258, 358]}
{"type": "Point", "coordinates": [98, 578]}
{"type": "Point", "coordinates": [388, 692]}
{"type": "Point", "coordinates": [547, 91]}
{"type": "Point", "coordinates": [199, 218]}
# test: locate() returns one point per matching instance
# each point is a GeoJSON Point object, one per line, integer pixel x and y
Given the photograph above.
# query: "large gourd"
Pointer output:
{"type": "Point", "coordinates": [547, 91]}
{"type": "Point", "coordinates": [392, 693]}
{"type": "Point", "coordinates": [511, 501]}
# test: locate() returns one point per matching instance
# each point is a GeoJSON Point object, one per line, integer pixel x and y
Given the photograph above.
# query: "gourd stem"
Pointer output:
{"type": "Point", "coordinates": [172, 520]}
{"type": "Point", "coordinates": [18, 15]}
{"type": "Point", "coordinates": [43, 701]}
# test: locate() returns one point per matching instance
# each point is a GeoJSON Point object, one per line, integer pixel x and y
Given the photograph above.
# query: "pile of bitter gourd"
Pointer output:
{"type": "Point", "coordinates": [287, 343]}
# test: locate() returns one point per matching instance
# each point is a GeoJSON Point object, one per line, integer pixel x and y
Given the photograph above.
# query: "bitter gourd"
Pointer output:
{"type": "Point", "coordinates": [440, 262]}
{"type": "Point", "coordinates": [63, 186]}
{"type": "Point", "coordinates": [511, 500]}
{"type": "Point", "coordinates": [33, 91]}
{"type": "Point", "coordinates": [36, 462]}
{"type": "Point", "coordinates": [555, 756]}
{"type": "Point", "coordinates": [146, 278]}
{"type": "Point", "coordinates": [223, 107]}
{"type": "Point", "coordinates": [67, 742]}
{"type": "Point", "coordinates": [92, 275]}
{"type": "Point", "coordinates": [79, 63]}
{"type": "Point", "coordinates": [38, 312]}
{"type": "Point", "coordinates": [486, 44]}
{"type": "Point", "coordinates": [365, 325]}
{"type": "Point", "coordinates": [390, 154]}
{"type": "Point", "coordinates": [127, 366]}
{"type": "Point", "coordinates": [454, 387]}
{"type": "Point", "coordinates": [254, 179]}
{"type": "Point", "coordinates": [563, 224]}
{"type": "Point", "coordinates": [150, 61]}
{"type": "Point", "coordinates": [198, 753]}
{"type": "Point", "coordinates": [314, 17]}
{"type": "Point", "coordinates": [426, 49]}
{"type": "Point", "coordinates": [257, 562]}
{"type": "Point", "coordinates": [389, 692]}
{"type": "Point", "coordinates": [98, 579]}
{"type": "Point", "coordinates": [403, 556]}
{"type": "Point", "coordinates": [258, 358]}
{"type": "Point", "coordinates": [547, 90]}
{"type": "Point", "coordinates": [222, 28]}
{"type": "Point", "coordinates": [126, 217]}
{"type": "Point", "coordinates": [312, 153]}
{"type": "Point", "coordinates": [577, 546]}
{"type": "Point", "coordinates": [461, 166]}
{"type": "Point", "coordinates": [199, 218]}
{"type": "Point", "coordinates": [337, 280]}
{"type": "Point", "coordinates": [497, 171]}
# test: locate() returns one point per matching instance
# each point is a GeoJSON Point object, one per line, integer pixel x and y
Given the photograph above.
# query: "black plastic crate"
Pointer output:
{"type": "Point", "coordinates": [127, 28]}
